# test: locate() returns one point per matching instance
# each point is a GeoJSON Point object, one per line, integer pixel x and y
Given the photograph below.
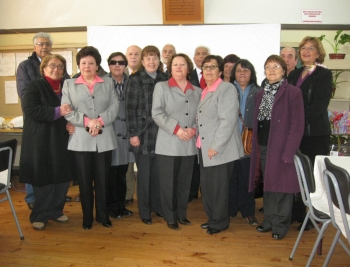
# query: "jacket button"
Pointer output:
{"type": "Point", "coordinates": [143, 119]}
{"type": "Point", "coordinates": [185, 127]}
{"type": "Point", "coordinates": [186, 101]}
{"type": "Point", "coordinates": [93, 97]}
{"type": "Point", "coordinates": [200, 111]}
{"type": "Point", "coordinates": [186, 113]}
{"type": "Point", "coordinates": [200, 125]}
{"type": "Point", "coordinates": [202, 137]}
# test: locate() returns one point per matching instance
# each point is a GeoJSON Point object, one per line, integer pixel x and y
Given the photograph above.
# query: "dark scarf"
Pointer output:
{"type": "Point", "coordinates": [266, 104]}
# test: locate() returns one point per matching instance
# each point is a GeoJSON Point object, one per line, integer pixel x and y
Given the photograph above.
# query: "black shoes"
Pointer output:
{"type": "Point", "coordinates": [118, 213]}
{"type": "Point", "coordinates": [147, 221]}
{"type": "Point", "coordinates": [261, 229]}
{"type": "Point", "coordinates": [31, 205]}
{"type": "Point", "coordinates": [184, 221]}
{"type": "Point", "coordinates": [205, 226]}
{"type": "Point", "coordinates": [107, 224]}
{"type": "Point", "coordinates": [212, 231]}
{"type": "Point", "coordinates": [159, 215]}
{"type": "Point", "coordinates": [277, 236]}
{"type": "Point", "coordinates": [309, 225]}
{"type": "Point", "coordinates": [87, 226]}
{"type": "Point", "coordinates": [173, 225]}
{"type": "Point", "coordinates": [125, 212]}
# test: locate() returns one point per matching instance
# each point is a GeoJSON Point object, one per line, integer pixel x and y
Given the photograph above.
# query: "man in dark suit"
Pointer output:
{"type": "Point", "coordinates": [199, 54]}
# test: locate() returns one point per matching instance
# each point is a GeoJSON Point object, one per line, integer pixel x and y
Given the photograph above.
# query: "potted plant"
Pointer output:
{"type": "Point", "coordinates": [338, 40]}
{"type": "Point", "coordinates": [335, 82]}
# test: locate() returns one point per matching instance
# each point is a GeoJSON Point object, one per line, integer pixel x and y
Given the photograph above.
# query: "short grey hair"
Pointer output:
{"type": "Point", "coordinates": [41, 35]}
{"type": "Point", "coordinates": [202, 46]}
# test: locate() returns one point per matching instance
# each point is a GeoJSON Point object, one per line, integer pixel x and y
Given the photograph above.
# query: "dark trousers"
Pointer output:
{"type": "Point", "coordinates": [195, 181]}
{"type": "Point", "coordinates": [117, 186]}
{"type": "Point", "coordinates": [277, 206]}
{"type": "Point", "coordinates": [311, 146]}
{"type": "Point", "coordinates": [215, 190]}
{"type": "Point", "coordinates": [148, 191]}
{"type": "Point", "coordinates": [92, 170]}
{"type": "Point", "coordinates": [240, 199]}
{"type": "Point", "coordinates": [49, 202]}
{"type": "Point", "coordinates": [175, 174]}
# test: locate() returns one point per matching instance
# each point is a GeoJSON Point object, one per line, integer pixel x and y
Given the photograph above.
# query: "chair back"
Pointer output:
{"type": "Point", "coordinates": [307, 168]}
{"type": "Point", "coordinates": [302, 180]}
{"type": "Point", "coordinates": [7, 156]}
{"type": "Point", "coordinates": [343, 179]}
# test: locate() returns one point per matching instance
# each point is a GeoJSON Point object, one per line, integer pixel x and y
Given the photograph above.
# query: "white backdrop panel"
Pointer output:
{"type": "Point", "coordinates": [254, 42]}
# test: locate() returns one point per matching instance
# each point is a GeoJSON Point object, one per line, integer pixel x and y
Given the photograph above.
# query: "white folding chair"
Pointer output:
{"type": "Point", "coordinates": [337, 182]}
{"type": "Point", "coordinates": [7, 155]}
{"type": "Point", "coordinates": [307, 185]}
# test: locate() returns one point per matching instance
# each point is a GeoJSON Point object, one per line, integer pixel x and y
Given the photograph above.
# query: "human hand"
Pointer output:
{"type": "Point", "coordinates": [94, 127]}
{"type": "Point", "coordinates": [182, 134]}
{"type": "Point", "coordinates": [190, 132]}
{"type": "Point", "coordinates": [70, 128]}
{"type": "Point", "coordinates": [135, 141]}
{"type": "Point", "coordinates": [65, 109]}
{"type": "Point", "coordinates": [212, 153]}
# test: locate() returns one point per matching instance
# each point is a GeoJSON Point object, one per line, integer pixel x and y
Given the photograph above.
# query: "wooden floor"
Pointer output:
{"type": "Point", "coordinates": [132, 243]}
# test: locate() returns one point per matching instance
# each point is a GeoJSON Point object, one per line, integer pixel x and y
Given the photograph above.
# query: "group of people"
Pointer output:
{"type": "Point", "coordinates": [181, 123]}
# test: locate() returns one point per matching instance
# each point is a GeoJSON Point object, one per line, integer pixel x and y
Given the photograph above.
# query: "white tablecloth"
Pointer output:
{"type": "Point", "coordinates": [319, 198]}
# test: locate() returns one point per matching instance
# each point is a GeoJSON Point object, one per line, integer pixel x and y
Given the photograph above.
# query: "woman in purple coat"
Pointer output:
{"type": "Point", "coordinates": [279, 120]}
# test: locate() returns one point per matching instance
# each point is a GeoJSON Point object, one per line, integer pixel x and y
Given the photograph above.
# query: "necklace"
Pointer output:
{"type": "Point", "coordinates": [57, 90]}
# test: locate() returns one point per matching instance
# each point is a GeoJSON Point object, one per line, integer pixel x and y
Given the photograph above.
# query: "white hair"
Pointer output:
{"type": "Point", "coordinates": [41, 35]}
{"type": "Point", "coordinates": [202, 46]}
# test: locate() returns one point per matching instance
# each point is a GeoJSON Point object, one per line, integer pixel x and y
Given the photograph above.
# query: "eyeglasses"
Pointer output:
{"type": "Point", "coordinates": [274, 67]}
{"type": "Point", "coordinates": [53, 66]}
{"type": "Point", "coordinates": [43, 44]}
{"type": "Point", "coordinates": [212, 67]}
{"type": "Point", "coordinates": [114, 62]}
{"type": "Point", "coordinates": [309, 49]}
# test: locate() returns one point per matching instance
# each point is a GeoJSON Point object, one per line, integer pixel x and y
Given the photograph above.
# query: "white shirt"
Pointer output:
{"type": "Point", "coordinates": [199, 74]}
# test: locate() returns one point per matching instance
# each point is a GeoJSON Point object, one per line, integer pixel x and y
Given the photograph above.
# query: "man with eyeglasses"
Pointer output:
{"type": "Point", "coordinates": [27, 71]}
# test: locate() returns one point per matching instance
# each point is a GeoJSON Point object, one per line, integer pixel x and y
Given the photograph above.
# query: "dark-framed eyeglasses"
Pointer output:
{"type": "Point", "coordinates": [114, 62]}
{"type": "Point", "coordinates": [212, 67]}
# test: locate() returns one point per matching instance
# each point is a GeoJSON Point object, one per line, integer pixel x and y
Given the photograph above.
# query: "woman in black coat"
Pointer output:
{"type": "Point", "coordinates": [315, 82]}
{"type": "Point", "coordinates": [143, 130]}
{"type": "Point", "coordinates": [44, 156]}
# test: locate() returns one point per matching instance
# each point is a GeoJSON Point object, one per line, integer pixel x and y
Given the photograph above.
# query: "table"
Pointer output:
{"type": "Point", "coordinates": [319, 198]}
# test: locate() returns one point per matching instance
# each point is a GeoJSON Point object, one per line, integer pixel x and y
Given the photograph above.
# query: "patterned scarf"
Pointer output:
{"type": "Point", "coordinates": [267, 100]}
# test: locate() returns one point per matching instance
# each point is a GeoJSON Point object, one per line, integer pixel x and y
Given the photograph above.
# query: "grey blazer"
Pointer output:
{"type": "Point", "coordinates": [217, 125]}
{"type": "Point", "coordinates": [103, 102]}
{"type": "Point", "coordinates": [171, 106]}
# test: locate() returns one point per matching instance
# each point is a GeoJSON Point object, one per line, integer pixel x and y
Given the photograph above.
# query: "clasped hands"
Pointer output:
{"type": "Point", "coordinates": [185, 134]}
{"type": "Point", "coordinates": [94, 126]}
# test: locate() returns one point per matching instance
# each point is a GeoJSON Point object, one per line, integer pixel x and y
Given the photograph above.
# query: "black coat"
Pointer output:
{"type": "Point", "coordinates": [139, 122]}
{"type": "Point", "coordinates": [44, 156]}
{"type": "Point", "coordinates": [317, 91]}
{"type": "Point", "coordinates": [194, 78]}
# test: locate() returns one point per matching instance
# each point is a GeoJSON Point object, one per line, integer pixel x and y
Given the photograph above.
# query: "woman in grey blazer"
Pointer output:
{"type": "Point", "coordinates": [174, 110]}
{"type": "Point", "coordinates": [219, 142]}
{"type": "Point", "coordinates": [94, 107]}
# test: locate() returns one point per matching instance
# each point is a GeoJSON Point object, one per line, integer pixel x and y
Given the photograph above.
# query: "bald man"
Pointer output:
{"type": "Point", "coordinates": [167, 52]}
{"type": "Point", "coordinates": [133, 55]}
{"type": "Point", "coordinates": [289, 55]}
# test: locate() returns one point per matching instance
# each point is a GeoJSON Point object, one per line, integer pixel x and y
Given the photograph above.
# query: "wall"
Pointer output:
{"type": "Point", "coordinates": [24, 14]}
